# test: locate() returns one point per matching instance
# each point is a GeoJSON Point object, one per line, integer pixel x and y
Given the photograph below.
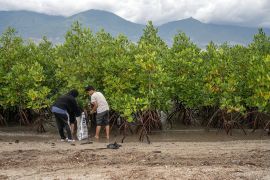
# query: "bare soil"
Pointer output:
{"type": "Point", "coordinates": [27, 155]}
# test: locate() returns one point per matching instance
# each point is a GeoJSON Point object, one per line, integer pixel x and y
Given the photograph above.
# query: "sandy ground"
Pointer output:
{"type": "Point", "coordinates": [27, 155]}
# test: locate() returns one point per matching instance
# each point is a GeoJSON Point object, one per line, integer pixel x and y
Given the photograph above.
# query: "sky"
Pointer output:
{"type": "Point", "coordinates": [253, 13]}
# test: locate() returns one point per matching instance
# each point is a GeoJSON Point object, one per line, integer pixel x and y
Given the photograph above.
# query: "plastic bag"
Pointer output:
{"type": "Point", "coordinates": [82, 131]}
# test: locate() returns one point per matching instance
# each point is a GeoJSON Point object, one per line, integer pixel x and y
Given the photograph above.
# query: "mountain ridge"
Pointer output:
{"type": "Point", "coordinates": [36, 25]}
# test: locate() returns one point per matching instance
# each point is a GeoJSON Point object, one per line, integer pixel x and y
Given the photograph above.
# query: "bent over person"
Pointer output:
{"type": "Point", "coordinates": [100, 106]}
{"type": "Point", "coordinates": [66, 110]}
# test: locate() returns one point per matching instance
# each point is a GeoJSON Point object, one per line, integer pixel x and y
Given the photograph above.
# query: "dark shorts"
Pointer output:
{"type": "Point", "coordinates": [103, 118]}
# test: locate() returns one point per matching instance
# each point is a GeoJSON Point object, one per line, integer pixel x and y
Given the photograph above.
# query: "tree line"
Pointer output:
{"type": "Point", "coordinates": [222, 85]}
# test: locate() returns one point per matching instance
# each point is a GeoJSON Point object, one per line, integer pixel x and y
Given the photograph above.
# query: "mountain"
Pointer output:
{"type": "Point", "coordinates": [202, 33]}
{"type": "Point", "coordinates": [33, 25]}
{"type": "Point", "coordinates": [96, 20]}
{"type": "Point", "coordinates": [36, 25]}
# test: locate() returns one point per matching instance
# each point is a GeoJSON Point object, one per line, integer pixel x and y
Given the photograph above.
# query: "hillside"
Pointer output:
{"type": "Point", "coordinates": [35, 25]}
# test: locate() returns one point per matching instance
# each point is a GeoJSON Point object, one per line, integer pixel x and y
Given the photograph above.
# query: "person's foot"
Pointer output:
{"type": "Point", "coordinates": [70, 140]}
{"type": "Point", "coordinates": [96, 137]}
{"type": "Point", "coordinates": [64, 139]}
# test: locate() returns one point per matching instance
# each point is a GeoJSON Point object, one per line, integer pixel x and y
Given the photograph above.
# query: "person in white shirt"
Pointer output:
{"type": "Point", "coordinates": [101, 107]}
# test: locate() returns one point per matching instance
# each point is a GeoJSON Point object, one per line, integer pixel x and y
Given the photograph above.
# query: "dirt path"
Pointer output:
{"type": "Point", "coordinates": [45, 157]}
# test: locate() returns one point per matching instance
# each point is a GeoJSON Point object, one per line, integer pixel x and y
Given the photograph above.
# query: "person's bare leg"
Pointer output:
{"type": "Point", "coordinates": [72, 129]}
{"type": "Point", "coordinates": [107, 131]}
{"type": "Point", "coordinates": [97, 132]}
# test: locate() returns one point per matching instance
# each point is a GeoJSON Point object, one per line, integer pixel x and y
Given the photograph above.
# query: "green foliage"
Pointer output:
{"type": "Point", "coordinates": [134, 77]}
{"type": "Point", "coordinates": [22, 76]}
{"type": "Point", "coordinates": [150, 57]}
{"type": "Point", "coordinates": [185, 72]}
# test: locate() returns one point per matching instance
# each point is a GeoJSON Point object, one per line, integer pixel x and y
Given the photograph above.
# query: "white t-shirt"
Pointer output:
{"type": "Point", "coordinates": [101, 102]}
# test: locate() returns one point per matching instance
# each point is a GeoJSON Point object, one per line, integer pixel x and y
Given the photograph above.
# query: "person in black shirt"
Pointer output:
{"type": "Point", "coordinates": [66, 109]}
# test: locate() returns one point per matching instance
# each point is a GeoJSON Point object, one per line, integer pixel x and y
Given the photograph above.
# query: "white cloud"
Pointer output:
{"type": "Point", "coordinates": [241, 12]}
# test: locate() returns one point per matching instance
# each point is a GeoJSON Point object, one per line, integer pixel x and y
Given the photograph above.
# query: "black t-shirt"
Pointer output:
{"type": "Point", "coordinates": [68, 103]}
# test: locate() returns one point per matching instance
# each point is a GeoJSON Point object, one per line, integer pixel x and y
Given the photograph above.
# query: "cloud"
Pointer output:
{"type": "Point", "coordinates": [240, 12]}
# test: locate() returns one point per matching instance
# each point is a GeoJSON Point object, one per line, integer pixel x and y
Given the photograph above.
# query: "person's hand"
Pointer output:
{"type": "Point", "coordinates": [92, 112]}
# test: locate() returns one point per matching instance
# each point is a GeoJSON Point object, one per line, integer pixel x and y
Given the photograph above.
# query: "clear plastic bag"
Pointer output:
{"type": "Point", "coordinates": [82, 131]}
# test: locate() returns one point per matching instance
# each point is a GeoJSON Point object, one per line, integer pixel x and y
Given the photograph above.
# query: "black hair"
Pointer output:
{"type": "Point", "coordinates": [89, 88]}
{"type": "Point", "coordinates": [73, 93]}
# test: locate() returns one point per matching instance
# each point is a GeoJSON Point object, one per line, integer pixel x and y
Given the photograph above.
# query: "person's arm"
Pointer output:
{"type": "Point", "coordinates": [75, 108]}
{"type": "Point", "coordinates": [94, 108]}
{"type": "Point", "coordinates": [94, 103]}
